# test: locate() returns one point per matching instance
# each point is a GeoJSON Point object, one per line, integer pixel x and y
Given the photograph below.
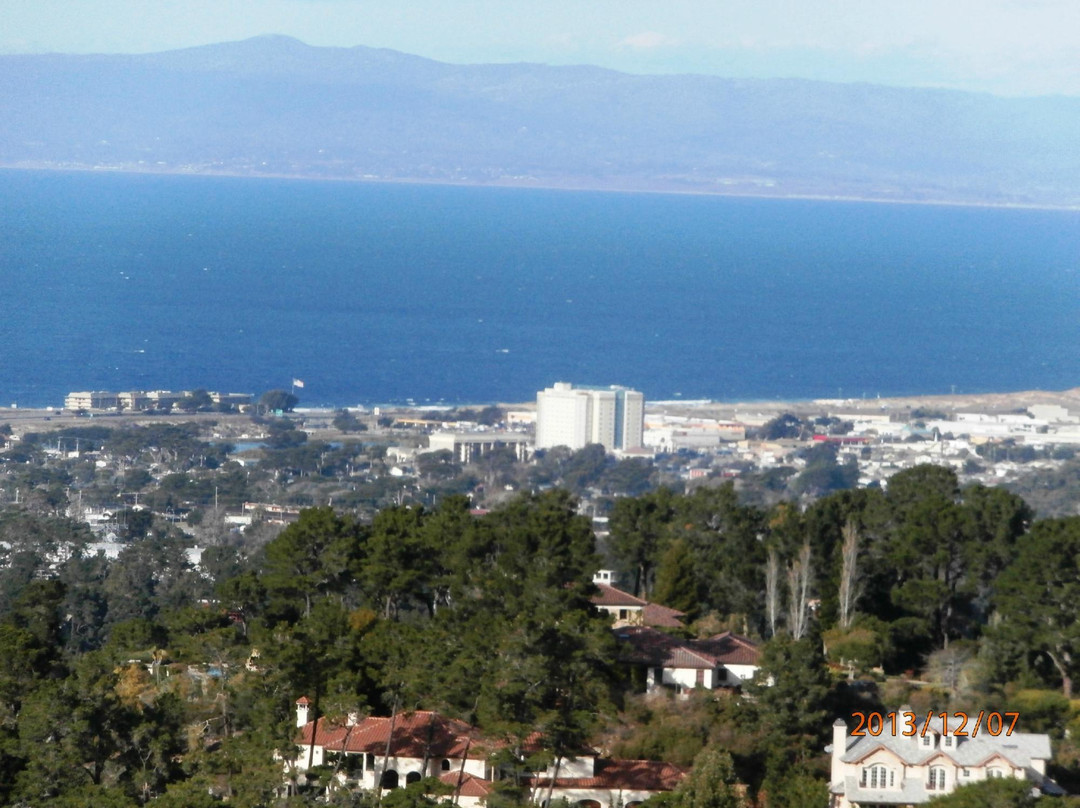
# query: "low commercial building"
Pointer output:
{"type": "Point", "coordinates": [468, 446]}
{"type": "Point", "coordinates": [91, 400]}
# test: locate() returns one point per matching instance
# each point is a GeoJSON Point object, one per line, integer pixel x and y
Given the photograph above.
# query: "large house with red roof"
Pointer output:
{"type": "Point", "coordinates": [387, 753]}
{"type": "Point", "coordinates": [724, 660]}
{"type": "Point", "coordinates": [629, 610]}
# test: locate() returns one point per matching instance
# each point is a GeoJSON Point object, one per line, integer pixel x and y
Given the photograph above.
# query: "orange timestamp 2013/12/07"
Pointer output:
{"type": "Point", "coordinates": [989, 722]}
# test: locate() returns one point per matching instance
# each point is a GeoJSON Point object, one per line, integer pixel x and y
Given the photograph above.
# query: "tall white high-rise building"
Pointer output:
{"type": "Point", "coordinates": [576, 416]}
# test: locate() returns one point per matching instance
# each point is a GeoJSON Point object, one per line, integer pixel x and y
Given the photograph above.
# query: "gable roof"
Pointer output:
{"type": "Point", "coordinates": [729, 649]}
{"type": "Point", "coordinates": [467, 785]}
{"type": "Point", "coordinates": [661, 616]}
{"type": "Point", "coordinates": [415, 735]}
{"type": "Point", "coordinates": [1019, 749]}
{"type": "Point", "coordinates": [647, 646]}
{"type": "Point", "coordinates": [610, 596]}
{"type": "Point", "coordinates": [621, 775]}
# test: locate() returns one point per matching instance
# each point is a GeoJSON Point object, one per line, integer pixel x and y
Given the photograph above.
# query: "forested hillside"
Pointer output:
{"type": "Point", "coordinates": [145, 680]}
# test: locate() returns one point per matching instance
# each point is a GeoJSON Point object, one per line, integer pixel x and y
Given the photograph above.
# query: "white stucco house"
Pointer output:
{"type": "Point", "coordinates": [909, 770]}
{"type": "Point", "coordinates": [387, 753]}
{"type": "Point", "coordinates": [421, 744]}
{"type": "Point", "coordinates": [725, 660]}
{"type": "Point", "coordinates": [628, 610]}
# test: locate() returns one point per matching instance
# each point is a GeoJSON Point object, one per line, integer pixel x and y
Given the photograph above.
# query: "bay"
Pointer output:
{"type": "Point", "coordinates": [384, 293]}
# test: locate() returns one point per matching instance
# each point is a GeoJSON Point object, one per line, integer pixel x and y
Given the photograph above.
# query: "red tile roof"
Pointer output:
{"type": "Point", "coordinates": [610, 596]}
{"type": "Point", "coordinates": [468, 785]}
{"type": "Point", "coordinates": [625, 775]}
{"type": "Point", "coordinates": [729, 649]}
{"type": "Point", "coordinates": [661, 616]}
{"type": "Point", "coordinates": [647, 646]}
{"type": "Point", "coordinates": [416, 735]}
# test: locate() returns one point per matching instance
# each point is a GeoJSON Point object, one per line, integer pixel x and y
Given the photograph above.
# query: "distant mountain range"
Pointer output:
{"type": "Point", "coordinates": [275, 106]}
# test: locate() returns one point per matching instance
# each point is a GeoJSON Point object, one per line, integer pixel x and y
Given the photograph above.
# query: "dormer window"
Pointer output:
{"type": "Point", "coordinates": [948, 742]}
{"type": "Point", "coordinates": [927, 740]}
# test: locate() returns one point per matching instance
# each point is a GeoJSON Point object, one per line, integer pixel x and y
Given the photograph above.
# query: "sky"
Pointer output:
{"type": "Point", "coordinates": [1006, 47]}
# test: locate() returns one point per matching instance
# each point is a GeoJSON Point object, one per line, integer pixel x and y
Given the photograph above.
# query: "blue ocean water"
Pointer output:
{"type": "Point", "coordinates": [384, 293]}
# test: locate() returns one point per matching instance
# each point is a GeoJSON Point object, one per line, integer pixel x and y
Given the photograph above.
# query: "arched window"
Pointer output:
{"type": "Point", "coordinates": [412, 777]}
{"type": "Point", "coordinates": [445, 766]}
{"type": "Point", "coordinates": [936, 780]}
{"type": "Point", "coordinates": [389, 779]}
{"type": "Point", "coordinates": [877, 776]}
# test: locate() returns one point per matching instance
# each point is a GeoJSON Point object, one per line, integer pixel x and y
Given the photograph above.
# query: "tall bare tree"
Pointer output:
{"type": "Point", "coordinates": [850, 581]}
{"type": "Point", "coordinates": [798, 575]}
{"type": "Point", "coordinates": [772, 590]}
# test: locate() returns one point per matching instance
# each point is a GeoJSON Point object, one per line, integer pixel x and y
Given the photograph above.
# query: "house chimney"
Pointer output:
{"type": "Point", "coordinates": [302, 711]}
{"type": "Point", "coordinates": [351, 719]}
{"type": "Point", "coordinates": [839, 745]}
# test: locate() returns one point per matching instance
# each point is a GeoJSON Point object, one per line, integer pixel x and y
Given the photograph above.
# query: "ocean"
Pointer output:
{"type": "Point", "coordinates": [383, 293]}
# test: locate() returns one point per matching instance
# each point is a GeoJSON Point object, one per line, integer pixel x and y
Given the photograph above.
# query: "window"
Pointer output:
{"type": "Point", "coordinates": [936, 782]}
{"type": "Point", "coordinates": [928, 740]}
{"type": "Point", "coordinates": [389, 779]}
{"type": "Point", "coordinates": [699, 679]}
{"type": "Point", "coordinates": [877, 776]}
{"type": "Point", "coordinates": [947, 741]}
{"type": "Point", "coordinates": [623, 614]}
{"type": "Point", "coordinates": [995, 773]}
{"type": "Point", "coordinates": [967, 772]}
{"type": "Point", "coordinates": [445, 765]}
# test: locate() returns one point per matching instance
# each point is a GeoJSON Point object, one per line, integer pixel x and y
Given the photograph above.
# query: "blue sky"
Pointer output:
{"type": "Point", "coordinates": [1009, 47]}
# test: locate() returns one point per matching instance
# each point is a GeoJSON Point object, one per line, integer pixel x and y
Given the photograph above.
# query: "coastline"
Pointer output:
{"type": "Point", "coordinates": [57, 417]}
{"type": "Point", "coordinates": [568, 185]}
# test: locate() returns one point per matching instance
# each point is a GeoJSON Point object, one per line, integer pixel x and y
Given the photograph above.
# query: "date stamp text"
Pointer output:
{"type": "Point", "coordinates": [957, 724]}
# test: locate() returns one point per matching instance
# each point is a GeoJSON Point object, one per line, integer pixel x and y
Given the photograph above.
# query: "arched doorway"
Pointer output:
{"type": "Point", "coordinates": [389, 779]}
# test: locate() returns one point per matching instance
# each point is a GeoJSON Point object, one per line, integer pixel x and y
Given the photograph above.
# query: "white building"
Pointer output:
{"type": "Point", "coordinates": [898, 769]}
{"type": "Point", "coordinates": [572, 416]}
{"type": "Point", "coordinates": [467, 446]}
{"type": "Point", "coordinates": [380, 754]}
{"type": "Point", "coordinates": [725, 660]}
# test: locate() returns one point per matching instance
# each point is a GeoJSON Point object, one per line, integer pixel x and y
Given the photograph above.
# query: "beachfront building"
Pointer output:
{"type": "Point", "coordinates": [134, 400]}
{"type": "Point", "coordinates": [575, 416]}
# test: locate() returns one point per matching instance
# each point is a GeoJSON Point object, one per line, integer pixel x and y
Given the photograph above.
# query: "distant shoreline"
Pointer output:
{"type": "Point", "coordinates": [983, 402]}
{"type": "Point", "coordinates": [548, 185]}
